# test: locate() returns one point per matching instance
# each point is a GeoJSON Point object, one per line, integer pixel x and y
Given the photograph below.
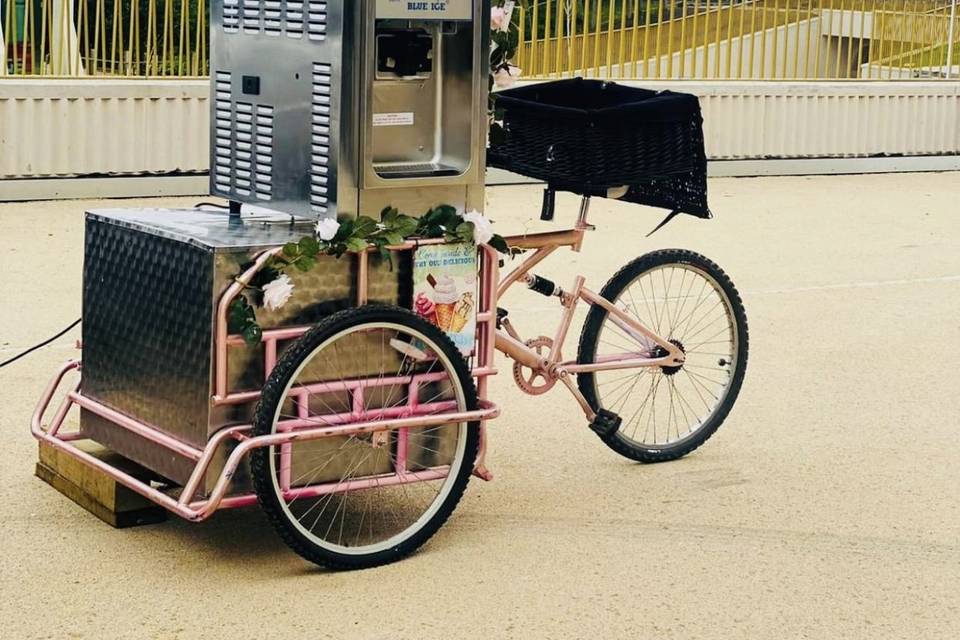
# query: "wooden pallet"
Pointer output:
{"type": "Point", "coordinates": [95, 491]}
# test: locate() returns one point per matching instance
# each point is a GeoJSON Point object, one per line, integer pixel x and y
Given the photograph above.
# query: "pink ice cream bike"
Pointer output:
{"type": "Point", "coordinates": [356, 420]}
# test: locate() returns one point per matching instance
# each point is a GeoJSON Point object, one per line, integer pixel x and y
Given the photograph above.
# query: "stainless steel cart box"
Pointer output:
{"type": "Point", "coordinates": [152, 281]}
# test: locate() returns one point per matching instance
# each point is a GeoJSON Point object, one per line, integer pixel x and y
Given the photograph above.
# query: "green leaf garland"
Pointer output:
{"type": "Point", "coordinates": [353, 235]}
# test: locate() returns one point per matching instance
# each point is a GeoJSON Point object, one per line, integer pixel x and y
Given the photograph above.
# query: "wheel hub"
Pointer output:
{"type": "Point", "coordinates": [660, 352]}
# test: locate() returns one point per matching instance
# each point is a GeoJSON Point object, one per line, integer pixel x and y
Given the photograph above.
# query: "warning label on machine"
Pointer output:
{"type": "Point", "coordinates": [398, 119]}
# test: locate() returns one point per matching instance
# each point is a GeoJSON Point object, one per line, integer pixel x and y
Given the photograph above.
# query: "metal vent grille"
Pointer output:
{"type": "Point", "coordinates": [223, 118]}
{"type": "Point", "coordinates": [272, 25]}
{"type": "Point", "coordinates": [320, 138]}
{"type": "Point", "coordinates": [243, 143]}
{"type": "Point", "coordinates": [317, 20]}
{"type": "Point", "coordinates": [294, 18]}
{"type": "Point", "coordinates": [275, 17]}
{"type": "Point", "coordinates": [251, 16]}
{"type": "Point", "coordinates": [231, 16]}
{"type": "Point", "coordinates": [243, 150]}
{"type": "Point", "coordinates": [263, 157]}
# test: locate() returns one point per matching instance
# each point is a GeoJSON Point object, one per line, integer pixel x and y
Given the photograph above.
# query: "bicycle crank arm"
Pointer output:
{"type": "Point", "coordinates": [588, 411]}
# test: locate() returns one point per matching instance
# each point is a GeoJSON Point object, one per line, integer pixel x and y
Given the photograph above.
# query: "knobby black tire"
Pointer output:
{"type": "Point", "coordinates": [590, 335]}
{"type": "Point", "coordinates": [273, 393]}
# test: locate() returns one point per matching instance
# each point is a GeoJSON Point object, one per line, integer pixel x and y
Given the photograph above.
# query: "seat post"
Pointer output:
{"type": "Point", "coordinates": [584, 210]}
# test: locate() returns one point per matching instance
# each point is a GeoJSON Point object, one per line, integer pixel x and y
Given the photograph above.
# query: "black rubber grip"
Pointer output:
{"type": "Point", "coordinates": [542, 286]}
{"type": "Point", "coordinates": [549, 204]}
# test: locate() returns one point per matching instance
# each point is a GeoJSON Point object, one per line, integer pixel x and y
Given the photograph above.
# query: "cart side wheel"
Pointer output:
{"type": "Point", "coordinates": [364, 499]}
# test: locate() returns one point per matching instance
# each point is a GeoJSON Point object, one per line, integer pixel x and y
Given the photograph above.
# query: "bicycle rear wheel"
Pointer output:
{"type": "Point", "coordinates": [362, 499]}
{"type": "Point", "coordinates": [667, 412]}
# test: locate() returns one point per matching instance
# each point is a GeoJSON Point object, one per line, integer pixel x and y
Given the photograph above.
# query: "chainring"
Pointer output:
{"type": "Point", "coordinates": [530, 381]}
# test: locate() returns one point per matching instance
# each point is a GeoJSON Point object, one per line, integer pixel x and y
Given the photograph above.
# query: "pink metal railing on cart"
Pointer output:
{"type": "Point", "coordinates": [356, 422]}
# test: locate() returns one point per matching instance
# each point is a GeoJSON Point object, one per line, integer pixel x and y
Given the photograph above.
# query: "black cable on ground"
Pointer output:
{"type": "Point", "coordinates": [39, 346]}
{"type": "Point", "coordinates": [201, 205]}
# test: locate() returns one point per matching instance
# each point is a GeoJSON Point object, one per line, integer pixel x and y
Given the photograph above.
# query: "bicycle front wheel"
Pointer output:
{"type": "Point", "coordinates": [687, 300]}
{"type": "Point", "coordinates": [361, 499]}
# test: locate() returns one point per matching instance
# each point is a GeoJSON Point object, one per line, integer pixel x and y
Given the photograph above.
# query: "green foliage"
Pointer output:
{"type": "Point", "coordinates": [500, 244]}
{"type": "Point", "coordinates": [353, 235]}
{"type": "Point", "coordinates": [242, 319]}
{"type": "Point", "coordinates": [172, 22]}
{"type": "Point", "coordinates": [440, 222]}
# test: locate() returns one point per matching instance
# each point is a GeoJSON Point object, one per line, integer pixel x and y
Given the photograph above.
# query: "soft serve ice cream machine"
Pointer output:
{"type": "Point", "coordinates": [330, 107]}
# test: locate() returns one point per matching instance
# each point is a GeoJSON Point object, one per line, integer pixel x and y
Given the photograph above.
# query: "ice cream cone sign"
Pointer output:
{"type": "Point", "coordinates": [461, 312]}
{"type": "Point", "coordinates": [425, 308]}
{"type": "Point", "coordinates": [445, 298]}
{"type": "Point", "coordinates": [445, 288]}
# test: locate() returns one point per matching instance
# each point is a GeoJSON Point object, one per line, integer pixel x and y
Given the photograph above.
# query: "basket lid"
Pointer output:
{"type": "Point", "coordinates": [601, 99]}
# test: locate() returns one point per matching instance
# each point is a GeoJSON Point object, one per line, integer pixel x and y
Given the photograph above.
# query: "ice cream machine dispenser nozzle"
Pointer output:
{"type": "Point", "coordinates": [332, 107]}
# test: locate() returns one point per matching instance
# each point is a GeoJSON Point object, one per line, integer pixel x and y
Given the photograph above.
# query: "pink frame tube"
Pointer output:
{"type": "Point", "coordinates": [515, 349]}
{"type": "Point", "coordinates": [221, 334]}
{"type": "Point", "coordinates": [196, 511]}
{"type": "Point", "coordinates": [142, 430]}
{"type": "Point", "coordinates": [510, 344]}
{"type": "Point", "coordinates": [486, 314]}
{"type": "Point", "coordinates": [356, 422]}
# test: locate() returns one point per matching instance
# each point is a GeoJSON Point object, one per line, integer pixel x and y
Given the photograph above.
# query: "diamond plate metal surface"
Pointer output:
{"type": "Point", "coordinates": [147, 327]}
{"type": "Point", "coordinates": [152, 280]}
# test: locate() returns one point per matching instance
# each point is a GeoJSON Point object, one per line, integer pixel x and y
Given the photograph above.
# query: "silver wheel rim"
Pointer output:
{"type": "Point", "coordinates": [680, 302]}
{"type": "Point", "coordinates": [340, 501]}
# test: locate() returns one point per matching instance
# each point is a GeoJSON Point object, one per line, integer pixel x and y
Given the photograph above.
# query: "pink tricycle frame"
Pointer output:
{"type": "Point", "coordinates": [490, 337]}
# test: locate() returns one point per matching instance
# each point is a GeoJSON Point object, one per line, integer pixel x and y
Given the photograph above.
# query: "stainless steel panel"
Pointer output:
{"type": "Point", "coordinates": [296, 95]}
{"type": "Point", "coordinates": [416, 200]}
{"type": "Point", "coordinates": [146, 329]}
{"type": "Point", "coordinates": [427, 128]}
{"type": "Point", "coordinates": [152, 280]}
{"type": "Point", "coordinates": [283, 110]}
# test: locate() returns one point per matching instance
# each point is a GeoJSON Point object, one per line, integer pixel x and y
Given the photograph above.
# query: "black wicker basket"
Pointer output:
{"type": "Point", "coordinates": [587, 136]}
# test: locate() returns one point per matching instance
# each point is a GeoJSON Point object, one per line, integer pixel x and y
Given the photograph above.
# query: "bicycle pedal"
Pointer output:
{"type": "Point", "coordinates": [606, 423]}
{"type": "Point", "coordinates": [501, 316]}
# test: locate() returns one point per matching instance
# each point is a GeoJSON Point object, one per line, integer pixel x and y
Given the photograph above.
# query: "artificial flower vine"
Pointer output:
{"type": "Point", "coordinates": [504, 42]}
{"type": "Point", "coordinates": [272, 288]}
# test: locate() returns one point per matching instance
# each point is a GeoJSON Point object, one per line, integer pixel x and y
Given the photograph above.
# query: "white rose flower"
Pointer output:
{"type": "Point", "coordinates": [327, 228]}
{"type": "Point", "coordinates": [482, 227]}
{"type": "Point", "coordinates": [276, 293]}
{"type": "Point", "coordinates": [506, 76]}
{"type": "Point", "coordinates": [500, 17]}
{"type": "Point", "coordinates": [508, 7]}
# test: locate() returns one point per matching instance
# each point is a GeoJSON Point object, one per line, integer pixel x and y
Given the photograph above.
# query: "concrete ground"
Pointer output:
{"type": "Point", "coordinates": [825, 507]}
